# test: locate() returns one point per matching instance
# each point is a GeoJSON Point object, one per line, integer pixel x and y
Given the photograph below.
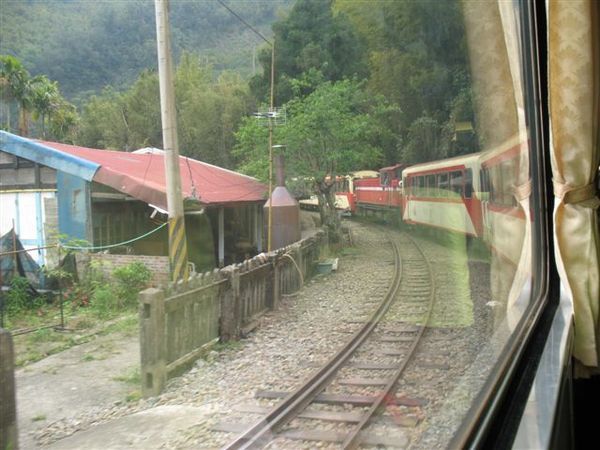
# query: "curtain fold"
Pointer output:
{"type": "Point", "coordinates": [522, 183]}
{"type": "Point", "coordinates": [574, 79]}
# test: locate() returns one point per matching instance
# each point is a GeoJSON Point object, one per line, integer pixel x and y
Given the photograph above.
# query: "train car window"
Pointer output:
{"type": "Point", "coordinates": [456, 182]}
{"type": "Point", "coordinates": [421, 190]}
{"type": "Point", "coordinates": [443, 185]}
{"type": "Point", "coordinates": [484, 185]}
{"type": "Point", "coordinates": [431, 186]}
{"type": "Point", "coordinates": [385, 178]}
{"type": "Point", "coordinates": [503, 178]}
{"type": "Point", "coordinates": [468, 183]}
{"type": "Point", "coordinates": [342, 184]}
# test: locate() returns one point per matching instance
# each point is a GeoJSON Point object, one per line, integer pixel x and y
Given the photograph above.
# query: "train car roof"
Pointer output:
{"type": "Point", "coordinates": [456, 161]}
{"type": "Point", "coordinates": [365, 174]}
{"type": "Point", "coordinates": [507, 150]}
{"type": "Point", "coordinates": [395, 166]}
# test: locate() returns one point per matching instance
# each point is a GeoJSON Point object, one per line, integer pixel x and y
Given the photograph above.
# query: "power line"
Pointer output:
{"type": "Point", "coordinates": [245, 23]}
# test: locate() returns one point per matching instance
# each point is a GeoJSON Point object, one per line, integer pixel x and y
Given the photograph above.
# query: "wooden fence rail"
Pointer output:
{"type": "Point", "coordinates": [177, 323]}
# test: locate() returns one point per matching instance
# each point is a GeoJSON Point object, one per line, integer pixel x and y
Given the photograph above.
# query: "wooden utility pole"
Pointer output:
{"type": "Point", "coordinates": [177, 237]}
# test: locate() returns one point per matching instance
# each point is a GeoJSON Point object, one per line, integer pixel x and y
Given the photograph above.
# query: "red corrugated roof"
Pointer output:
{"type": "Point", "coordinates": [143, 176]}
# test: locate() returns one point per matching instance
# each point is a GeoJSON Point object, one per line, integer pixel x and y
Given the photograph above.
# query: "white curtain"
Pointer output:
{"type": "Point", "coordinates": [574, 78]}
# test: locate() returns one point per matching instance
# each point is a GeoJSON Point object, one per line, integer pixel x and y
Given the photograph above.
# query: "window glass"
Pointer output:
{"type": "Point", "coordinates": [437, 88]}
{"type": "Point", "coordinates": [421, 186]}
{"type": "Point", "coordinates": [431, 186]}
{"type": "Point", "coordinates": [468, 183]}
{"type": "Point", "coordinates": [443, 186]}
{"type": "Point", "coordinates": [456, 182]}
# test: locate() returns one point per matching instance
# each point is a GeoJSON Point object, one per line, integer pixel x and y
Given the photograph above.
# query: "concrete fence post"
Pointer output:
{"type": "Point", "coordinates": [231, 314]}
{"type": "Point", "coordinates": [300, 264]}
{"type": "Point", "coordinates": [152, 341]}
{"type": "Point", "coordinates": [9, 436]}
{"type": "Point", "coordinates": [276, 286]}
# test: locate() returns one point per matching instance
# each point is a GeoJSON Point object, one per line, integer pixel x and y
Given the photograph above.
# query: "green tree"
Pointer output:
{"type": "Point", "coordinates": [102, 124]}
{"type": "Point", "coordinates": [311, 37]}
{"type": "Point", "coordinates": [252, 149]}
{"type": "Point", "coordinates": [12, 77]}
{"type": "Point", "coordinates": [37, 95]}
{"type": "Point", "coordinates": [332, 131]}
{"type": "Point", "coordinates": [418, 60]}
{"type": "Point", "coordinates": [124, 121]}
{"type": "Point", "coordinates": [208, 113]}
{"type": "Point", "coordinates": [15, 82]}
{"type": "Point", "coordinates": [64, 121]}
{"type": "Point", "coordinates": [45, 100]}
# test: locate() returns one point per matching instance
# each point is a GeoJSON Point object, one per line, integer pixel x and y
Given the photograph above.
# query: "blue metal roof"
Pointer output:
{"type": "Point", "coordinates": [47, 156]}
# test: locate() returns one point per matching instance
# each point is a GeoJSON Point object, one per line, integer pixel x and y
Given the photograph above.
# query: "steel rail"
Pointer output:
{"type": "Point", "coordinates": [352, 441]}
{"type": "Point", "coordinates": [260, 433]}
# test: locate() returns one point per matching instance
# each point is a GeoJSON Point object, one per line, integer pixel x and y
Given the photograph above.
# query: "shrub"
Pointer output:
{"type": "Point", "coordinates": [130, 280]}
{"type": "Point", "coordinates": [104, 302]}
{"type": "Point", "coordinates": [20, 296]}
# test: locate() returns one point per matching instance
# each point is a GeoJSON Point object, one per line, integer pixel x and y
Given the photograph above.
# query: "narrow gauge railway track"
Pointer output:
{"type": "Point", "coordinates": [412, 288]}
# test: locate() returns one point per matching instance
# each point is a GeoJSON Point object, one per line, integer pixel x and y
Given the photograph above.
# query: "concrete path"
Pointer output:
{"type": "Point", "coordinates": [67, 384]}
{"type": "Point", "coordinates": [145, 430]}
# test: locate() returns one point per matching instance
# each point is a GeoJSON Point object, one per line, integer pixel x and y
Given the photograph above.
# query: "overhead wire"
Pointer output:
{"type": "Point", "coordinates": [103, 247]}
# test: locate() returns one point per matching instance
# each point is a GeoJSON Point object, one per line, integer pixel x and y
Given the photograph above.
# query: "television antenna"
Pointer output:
{"type": "Point", "coordinates": [273, 116]}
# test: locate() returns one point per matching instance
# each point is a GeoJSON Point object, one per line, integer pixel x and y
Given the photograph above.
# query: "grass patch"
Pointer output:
{"type": "Point", "coordinates": [131, 377]}
{"type": "Point", "coordinates": [94, 306]}
{"type": "Point", "coordinates": [35, 346]}
{"type": "Point", "coordinates": [127, 324]}
{"type": "Point", "coordinates": [349, 251]}
{"type": "Point", "coordinates": [45, 334]}
{"type": "Point", "coordinates": [133, 396]}
{"type": "Point", "coordinates": [38, 418]}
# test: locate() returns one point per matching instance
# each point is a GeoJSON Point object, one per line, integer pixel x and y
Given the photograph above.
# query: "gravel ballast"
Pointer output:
{"type": "Point", "coordinates": [306, 329]}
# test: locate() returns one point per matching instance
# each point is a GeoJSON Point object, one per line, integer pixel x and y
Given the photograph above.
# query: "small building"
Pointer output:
{"type": "Point", "coordinates": [50, 190]}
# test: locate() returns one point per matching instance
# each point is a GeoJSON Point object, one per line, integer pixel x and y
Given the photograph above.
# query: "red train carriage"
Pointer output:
{"type": "Point", "coordinates": [380, 193]}
{"type": "Point", "coordinates": [504, 180]}
{"type": "Point", "coordinates": [444, 194]}
{"type": "Point", "coordinates": [480, 195]}
{"type": "Point", "coordinates": [345, 199]}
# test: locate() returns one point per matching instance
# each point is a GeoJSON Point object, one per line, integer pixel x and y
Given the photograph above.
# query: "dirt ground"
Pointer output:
{"type": "Point", "coordinates": [95, 374]}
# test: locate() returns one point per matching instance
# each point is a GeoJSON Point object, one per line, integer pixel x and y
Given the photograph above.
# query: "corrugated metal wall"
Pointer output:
{"type": "Point", "coordinates": [34, 217]}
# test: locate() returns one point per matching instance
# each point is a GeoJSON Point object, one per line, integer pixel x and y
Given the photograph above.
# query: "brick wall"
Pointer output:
{"type": "Point", "coordinates": [158, 265]}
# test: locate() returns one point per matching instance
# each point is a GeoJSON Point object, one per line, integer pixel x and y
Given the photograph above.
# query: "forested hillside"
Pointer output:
{"type": "Point", "coordinates": [87, 45]}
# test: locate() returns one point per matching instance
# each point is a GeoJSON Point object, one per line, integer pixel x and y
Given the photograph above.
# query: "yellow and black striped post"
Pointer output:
{"type": "Point", "coordinates": [178, 249]}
